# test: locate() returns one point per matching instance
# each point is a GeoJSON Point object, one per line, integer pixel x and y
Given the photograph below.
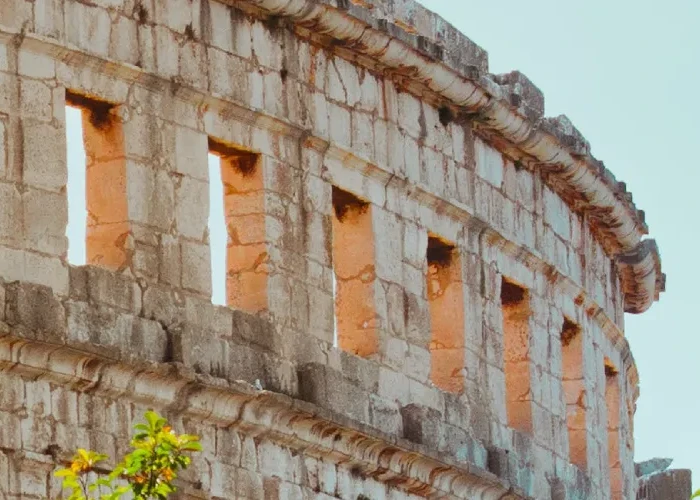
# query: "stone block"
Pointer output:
{"type": "Point", "coordinates": [36, 433]}
{"type": "Point", "coordinates": [10, 431]}
{"type": "Point", "coordinates": [161, 304]}
{"type": "Point", "coordinates": [498, 463]}
{"type": "Point", "coordinates": [36, 100]}
{"type": "Point", "coordinates": [124, 40]}
{"type": "Point", "coordinates": [111, 289]}
{"type": "Point", "coordinates": [388, 244]}
{"type": "Point", "coordinates": [427, 395]}
{"type": "Point", "coordinates": [151, 195]}
{"type": "Point", "coordinates": [340, 128]}
{"type": "Point", "coordinates": [203, 313]}
{"type": "Point", "coordinates": [35, 310]}
{"type": "Point", "coordinates": [149, 341]}
{"type": "Point", "coordinates": [199, 348]}
{"type": "Point", "coordinates": [35, 65]}
{"type": "Point", "coordinates": [99, 329]}
{"type": "Point", "coordinates": [88, 27]}
{"type": "Point", "coordinates": [422, 424]}
{"type": "Point", "coordinates": [556, 214]}
{"type": "Point", "coordinates": [191, 150]}
{"type": "Point", "coordinates": [192, 208]}
{"type": "Point", "coordinates": [523, 94]}
{"type": "Point", "coordinates": [327, 388]}
{"type": "Point", "coordinates": [385, 415]}
{"type": "Point", "coordinates": [254, 329]}
{"type": "Point", "coordinates": [457, 410]}
{"type": "Point", "coordinates": [363, 371]}
{"type": "Point", "coordinates": [193, 70]}
{"type": "Point", "coordinates": [393, 386]}
{"type": "Point", "coordinates": [11, 229]}
{"type": "Point", "coordinates": [672, 484]}
{"type": "Point", "coordinates": [457, 443]}
{"type": "Point", "coordinates": [489, 164]}
{"type": "Point", "coordinates": [44, 156]}
{"type": "Point", "coordinates": [196, 267]}
{"type": "Point", "coordinates": [15, 15]}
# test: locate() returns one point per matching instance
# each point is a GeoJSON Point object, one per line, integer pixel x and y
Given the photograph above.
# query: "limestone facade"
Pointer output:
{"type": "Point", "coordinates": [472, 258]}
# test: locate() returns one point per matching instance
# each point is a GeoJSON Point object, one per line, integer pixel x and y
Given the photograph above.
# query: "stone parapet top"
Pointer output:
{"type": "Point", "coordinates": [420, 46]}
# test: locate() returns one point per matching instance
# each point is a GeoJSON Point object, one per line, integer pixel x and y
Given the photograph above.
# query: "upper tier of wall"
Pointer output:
{"type": "Point", "coordinates": [430, 55]}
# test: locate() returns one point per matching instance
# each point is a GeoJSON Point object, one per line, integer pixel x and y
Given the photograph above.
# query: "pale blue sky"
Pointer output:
{"type": "Point", "coordinates": [625, 72]}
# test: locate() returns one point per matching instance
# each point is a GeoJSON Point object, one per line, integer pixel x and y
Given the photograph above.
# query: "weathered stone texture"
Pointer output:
{"type": "Point", "coordinates": [298, 112]}
{"type": "Point", "coordinates": [666, 485]}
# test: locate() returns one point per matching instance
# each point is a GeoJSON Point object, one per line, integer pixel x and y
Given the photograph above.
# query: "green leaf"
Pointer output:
{"type": "Point", "coordinates": [193, 446]}
{"type": "Point", "coordinates": [64, 473]}
{"type": "Point", "coordinates": [152, 418]}
{"type": "Point", "coordinates": [696, 494]}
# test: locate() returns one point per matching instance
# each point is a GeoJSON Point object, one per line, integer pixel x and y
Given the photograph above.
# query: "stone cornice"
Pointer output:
{"type": "Point", "coordinates": [286, 421]}
{"type": "Point", "coordinates": [508, 107]}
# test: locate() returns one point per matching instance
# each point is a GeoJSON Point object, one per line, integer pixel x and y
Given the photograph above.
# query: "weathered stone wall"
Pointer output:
{"type": "Point", "coordinates": [181, 76]}
{"type": "Point", "coordinates": [666, 485]}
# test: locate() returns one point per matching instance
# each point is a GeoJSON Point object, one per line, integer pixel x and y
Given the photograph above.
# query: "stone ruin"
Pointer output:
{"type": "Point", "coordinates": [426, 277]}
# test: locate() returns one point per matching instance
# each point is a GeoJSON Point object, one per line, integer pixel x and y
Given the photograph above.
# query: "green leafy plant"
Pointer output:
{"type": "Point", "coordinates": [695, 495]}
{"type": "Point", "coordinates": [147, 472]}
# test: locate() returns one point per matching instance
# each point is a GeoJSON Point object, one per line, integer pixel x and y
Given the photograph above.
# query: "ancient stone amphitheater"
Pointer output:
{"type": "Point", "coordinates": [425, 277]}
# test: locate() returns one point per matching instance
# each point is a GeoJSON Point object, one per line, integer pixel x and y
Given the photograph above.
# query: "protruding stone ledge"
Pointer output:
{"type": "Point", "coordinates": [642, 278]}
{"type": "Point", "coordinates": [413, 468]}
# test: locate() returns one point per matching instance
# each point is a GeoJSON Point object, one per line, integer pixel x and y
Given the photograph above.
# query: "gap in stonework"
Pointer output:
{"type": "Point", "coordinates": [218, 236]}
{"type": "Point", "coordinates": [335, 315]}
{"type": "Point", "coordinates": [76, 230]}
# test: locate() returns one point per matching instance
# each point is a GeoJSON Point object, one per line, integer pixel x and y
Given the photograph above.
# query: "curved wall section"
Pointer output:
{"type": "Point", "coordinates": [425, 278]}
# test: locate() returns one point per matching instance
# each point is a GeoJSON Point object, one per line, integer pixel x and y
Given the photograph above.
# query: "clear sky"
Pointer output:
{"type": "Point", "coordinates": [625, 72]}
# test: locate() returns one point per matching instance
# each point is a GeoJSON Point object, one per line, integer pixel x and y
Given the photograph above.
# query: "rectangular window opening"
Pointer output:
{"type": "Point", "coordinates": [354, 274]}
{"type": "Point", "coordinates": [237, 235]}
{"type": "Point", "coordinates": [97, 203]}
{"type": "Point", "coordinates": [446, 300]}
{"type": "Point", "coordinates": [574, 392]}
{"type": "Point", "coordinates": [612, 400]}
{"type": "Point", "coordinates": [515, 304]}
